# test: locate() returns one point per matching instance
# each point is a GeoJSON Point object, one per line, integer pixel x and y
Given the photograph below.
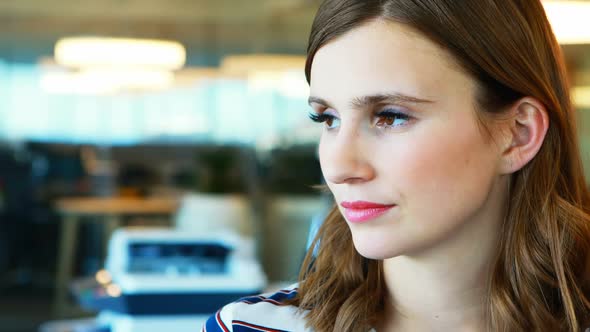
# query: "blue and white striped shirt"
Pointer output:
{"type": "Point", "coordinates": [264, 312]}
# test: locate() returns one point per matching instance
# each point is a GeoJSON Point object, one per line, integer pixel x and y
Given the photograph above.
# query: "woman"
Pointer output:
{"type": "Point", "coordinates": [449, 145]}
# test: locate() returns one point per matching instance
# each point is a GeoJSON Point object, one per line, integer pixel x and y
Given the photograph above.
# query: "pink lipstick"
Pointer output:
{"type": "Point", "coordinates": [361, 211]}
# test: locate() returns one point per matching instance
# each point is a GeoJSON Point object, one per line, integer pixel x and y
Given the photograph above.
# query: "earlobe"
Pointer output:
{"type": "Point", "coordinates": [528, 127]}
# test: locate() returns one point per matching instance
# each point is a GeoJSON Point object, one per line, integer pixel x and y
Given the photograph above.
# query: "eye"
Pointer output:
{"type": "Point", "coordinates": [330, 121]}
{"type": "Point", "coordinates": [391, 118]}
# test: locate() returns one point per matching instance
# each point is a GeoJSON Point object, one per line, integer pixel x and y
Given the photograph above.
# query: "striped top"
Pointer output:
{"type": "Point", "coordinates": [259, 313]}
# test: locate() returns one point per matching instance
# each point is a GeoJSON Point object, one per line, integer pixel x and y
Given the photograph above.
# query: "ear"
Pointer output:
{"type": "Point", "coordinates": [528, 126]}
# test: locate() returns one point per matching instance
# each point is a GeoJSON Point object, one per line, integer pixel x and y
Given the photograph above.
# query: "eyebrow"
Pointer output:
{"type": "Point", "coordinates": [370, 100]}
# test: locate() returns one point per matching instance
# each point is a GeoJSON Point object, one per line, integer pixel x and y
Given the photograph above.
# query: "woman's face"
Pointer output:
{"type": "Point", "coordinates": [400, 131]}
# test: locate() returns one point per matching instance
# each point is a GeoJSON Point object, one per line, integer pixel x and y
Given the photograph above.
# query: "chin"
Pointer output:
{"type": "Point", "coordinates": [380, 247]}
{"type": "Point", "coordinates": [371, 249]}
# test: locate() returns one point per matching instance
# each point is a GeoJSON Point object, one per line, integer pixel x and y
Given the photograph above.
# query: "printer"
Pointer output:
{"type": "Point", "coordinates": [170, 280]}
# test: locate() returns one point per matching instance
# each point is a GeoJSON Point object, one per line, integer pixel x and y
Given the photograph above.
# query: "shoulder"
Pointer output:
{"type": "Point", "coordinates": [265, 312]}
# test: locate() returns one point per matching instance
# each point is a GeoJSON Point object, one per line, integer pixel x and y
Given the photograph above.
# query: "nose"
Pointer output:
{"type": "Point", "coordinates": [345, 158]}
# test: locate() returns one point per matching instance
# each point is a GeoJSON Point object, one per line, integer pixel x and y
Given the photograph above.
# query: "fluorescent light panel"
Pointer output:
{"type": "Point", "coordinates": [106, 81]}
{"type": "Point", "coordinates": [581, 96]}
{"type": "Point", "coordinates": [246, 64]}
{"type": "Point", "coordinates": [570, 20]}
{"type": "Point", "coordinates": [80, 52]}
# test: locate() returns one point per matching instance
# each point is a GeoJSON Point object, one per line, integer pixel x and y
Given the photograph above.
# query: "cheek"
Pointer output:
{"type": "Point", "coordinates": [323, 151]}
{"type": "Point", "coordinates": [333, 153]}
{"type": "Point", "coordinates": [322, 146]}
{"type": "Point", "coordinates": [447, 169]}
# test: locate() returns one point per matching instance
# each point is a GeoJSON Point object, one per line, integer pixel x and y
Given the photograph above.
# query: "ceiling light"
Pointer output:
{"type": "Point", "coordinates": [246, 64]}
{"type": "Point", "coordinates": [291, 84]}
{"type": "Point", "coordinates": [81, 52]}
{"type": "Point", "coordinates": [581, 96]}
{"type": "Point", "coordinates": [101, 81]}
{"type": "Point", "coordinates": [569, 20]}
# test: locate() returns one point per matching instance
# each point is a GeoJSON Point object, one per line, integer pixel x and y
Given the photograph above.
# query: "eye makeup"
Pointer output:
{"type": "Point", "coordinates": [328, 119]}
{"type": "Point", "coordinates": [390, 118]}
{"type": "Point", "coordinates": [387, 118]}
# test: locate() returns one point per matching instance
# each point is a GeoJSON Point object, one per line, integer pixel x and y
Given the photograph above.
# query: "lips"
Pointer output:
{"type": "Point", "coordinates": [362, 211]}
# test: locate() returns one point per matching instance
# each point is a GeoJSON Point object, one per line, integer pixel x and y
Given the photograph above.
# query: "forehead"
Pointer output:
{"type": "Point", "coordinates": [381, 57]}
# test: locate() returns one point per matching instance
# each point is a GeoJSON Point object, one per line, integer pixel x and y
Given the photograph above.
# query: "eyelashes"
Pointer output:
{"type": "Point", "coordinates": [387, 118]}
{"type": "Point", "coordinates": [320, 118]}
{"type": "Point", "coordinates": [324, 118]}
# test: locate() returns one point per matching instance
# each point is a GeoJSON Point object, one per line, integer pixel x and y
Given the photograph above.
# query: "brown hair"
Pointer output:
{"type": "Point", "coordinates": [539, 280]}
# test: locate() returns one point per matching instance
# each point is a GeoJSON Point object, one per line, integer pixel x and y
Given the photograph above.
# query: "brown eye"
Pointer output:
{"type": "Point", "coordinates": [327, 119]}
{"type": "Point", "coordinates": [385, 121]}
{"type": "Point", "coordinates": [329, 122]}
{"type": "Point", "coordinates": [390, 118]}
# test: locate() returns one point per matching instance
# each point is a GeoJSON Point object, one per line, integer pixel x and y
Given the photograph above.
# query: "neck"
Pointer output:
{"type": "Point", "coordinates": [445, 287]}
{"type": "Point", "coordinates": [447, 295]}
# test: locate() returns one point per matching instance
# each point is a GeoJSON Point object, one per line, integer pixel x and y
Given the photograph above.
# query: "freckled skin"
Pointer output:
{"type": "Point", "coordinates": [439, 168]}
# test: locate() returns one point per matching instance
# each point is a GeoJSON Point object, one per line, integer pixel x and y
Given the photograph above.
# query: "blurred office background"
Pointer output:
{"type": "Point", "coordinates": [218, 115]}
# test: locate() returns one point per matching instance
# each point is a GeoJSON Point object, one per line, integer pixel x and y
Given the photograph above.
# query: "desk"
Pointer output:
{"type": "Point", "coordinates": [110, 210]}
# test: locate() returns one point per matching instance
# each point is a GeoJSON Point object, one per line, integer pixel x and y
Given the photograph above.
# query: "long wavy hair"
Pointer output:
{"type": "Point", "coordinates": [539, 280]}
